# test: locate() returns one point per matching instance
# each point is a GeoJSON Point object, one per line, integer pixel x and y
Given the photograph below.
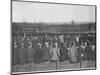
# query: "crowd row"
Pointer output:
{"type": "Point", "coordinates": [39, 49]}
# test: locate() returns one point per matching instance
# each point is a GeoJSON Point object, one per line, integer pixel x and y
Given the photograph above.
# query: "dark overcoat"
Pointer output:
{"type": "Point", "coordinates": [46, 53]}
{"type": "Point", "coordinates": [81, 54]}
{"type": "Point", "coordinates": [15, 56]}
{"type": "Point", "coordinates": [38, 56]}
{"type": "Point", "coordinates": [30, 54]}
{"type": "Point", "coordinates": [89, 52]}
{"type": "Point", "coordinates": [63, 54]}
{"type": "Point", "coordinates": [22, 55]}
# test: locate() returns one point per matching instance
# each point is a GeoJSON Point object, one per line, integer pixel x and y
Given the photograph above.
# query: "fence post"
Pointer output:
{"type": "Point", "coordinates": [57, 64]}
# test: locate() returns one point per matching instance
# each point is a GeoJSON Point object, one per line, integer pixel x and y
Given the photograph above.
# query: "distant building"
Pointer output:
{"type": "Point", "coordinates": [54, 28]}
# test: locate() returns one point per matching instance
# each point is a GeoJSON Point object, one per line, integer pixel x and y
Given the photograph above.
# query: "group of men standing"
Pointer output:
{"type": "Point", "coordinates": [48, 49]}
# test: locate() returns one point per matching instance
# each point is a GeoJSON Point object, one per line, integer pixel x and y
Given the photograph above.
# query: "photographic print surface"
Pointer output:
{"type": "Point", "coordinates": [49, 37]}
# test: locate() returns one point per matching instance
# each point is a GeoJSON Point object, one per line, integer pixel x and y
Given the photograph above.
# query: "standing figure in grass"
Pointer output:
{"type": "Point", "coordinates": [73, 53]}
{"type": "Point", "coordinates": [46, 52]}
{"type": "Point", "coordinates": [55, 52]}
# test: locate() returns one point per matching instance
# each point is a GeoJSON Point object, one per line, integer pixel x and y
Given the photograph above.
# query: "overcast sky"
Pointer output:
{"type": "Point", "coordinates": [43, 12]}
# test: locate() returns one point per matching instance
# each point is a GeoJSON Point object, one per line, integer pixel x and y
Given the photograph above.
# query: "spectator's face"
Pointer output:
{"type": "Point", "coordinates": [46, 44]}
{"type": "Point", "coordinates": [93, 47]}
{"type": "Point", "coordinates": [30, 46]}
{"type": "Point", "coordinates": [15, 45]}
{"type": "Point", "coordinates": [85, 43]}
{"type": "Point", "coordinates": [39, 44]}
{"type": "Point", "coordinates": [56, 45]}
